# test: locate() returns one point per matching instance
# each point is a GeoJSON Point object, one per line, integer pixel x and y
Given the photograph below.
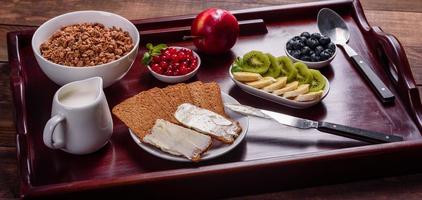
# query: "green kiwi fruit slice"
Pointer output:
{"type": "Point", "coordinates": [275, 68]}
{"type": "Point", "coordinates": [287, 68]}
{"type": "Point", "coordinates": [304, 75]}
{"type": "Point", "coordinates": [237, 65]}
{"type": "Point", "coordinates": [318, 81]}
{"type": "Point", "coordinates": [255, 62]}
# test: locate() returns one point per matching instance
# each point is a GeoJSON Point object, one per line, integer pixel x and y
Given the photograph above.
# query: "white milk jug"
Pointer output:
{"type": "Point", "coordinates": [80, 120]}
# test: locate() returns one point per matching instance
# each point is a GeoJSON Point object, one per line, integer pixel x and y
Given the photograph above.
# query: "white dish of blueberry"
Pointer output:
{"type": "Point", "coordinates": [315, 50]}
{"type": "Point", "coordinates": [278, 79]}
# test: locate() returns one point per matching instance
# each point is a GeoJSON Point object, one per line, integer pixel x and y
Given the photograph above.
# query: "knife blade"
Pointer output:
{"type": "Point", "coordinates": [332, 128]}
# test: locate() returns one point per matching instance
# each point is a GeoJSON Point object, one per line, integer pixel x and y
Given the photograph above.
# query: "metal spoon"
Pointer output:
{"type": "Point", "coordinates": [332, 25]}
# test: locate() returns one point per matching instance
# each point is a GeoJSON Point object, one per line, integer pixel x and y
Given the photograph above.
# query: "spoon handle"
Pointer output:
{"type": "Point", "coordinates": [380, 88]}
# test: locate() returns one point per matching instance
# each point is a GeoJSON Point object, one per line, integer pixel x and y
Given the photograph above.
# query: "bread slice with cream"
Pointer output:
{"type": "Point", "coordinates": [178, 140]}
{"type": "Point", "coordinates": [208, 122]}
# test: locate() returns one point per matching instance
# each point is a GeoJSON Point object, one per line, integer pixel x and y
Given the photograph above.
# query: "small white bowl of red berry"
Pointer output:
{"type": "Point", "coordinates": [171, 64]}
{"type": "Point", "coordinates": [315, 50]}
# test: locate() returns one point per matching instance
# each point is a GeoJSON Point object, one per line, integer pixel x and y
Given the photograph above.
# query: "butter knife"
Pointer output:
{"type": "Point", "coordinates": [336, 129]}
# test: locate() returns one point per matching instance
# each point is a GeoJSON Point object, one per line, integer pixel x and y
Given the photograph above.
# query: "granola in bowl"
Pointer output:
{"type": "Point", "coordinates": [86, 44]}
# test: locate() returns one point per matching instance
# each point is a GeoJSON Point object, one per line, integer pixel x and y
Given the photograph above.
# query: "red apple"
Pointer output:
{"type": "Point", "coordinates": [215, 31]}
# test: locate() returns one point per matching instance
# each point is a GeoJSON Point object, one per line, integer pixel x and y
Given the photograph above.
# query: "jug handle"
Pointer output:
{"type": "Point", "coordinates": [49, 130]}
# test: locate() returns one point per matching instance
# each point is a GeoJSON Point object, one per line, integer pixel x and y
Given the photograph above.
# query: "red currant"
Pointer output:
{"type": "Point", "coordinates": [164, 65]}
{"type": "Point", "coordinates": [169, 72]}
{"type": "Point", "coordinates": [156, 59]}
{"type": "Point", "coordinates": [184, 70]}
{"type": "Point", "coordinates": [174, 57]}
{"type": "Point", "coordinates": [157, 68]}
{"type": "Point", "coordinates": [176, 72]}
{"type": "Point", "coordinates": [172, 50]}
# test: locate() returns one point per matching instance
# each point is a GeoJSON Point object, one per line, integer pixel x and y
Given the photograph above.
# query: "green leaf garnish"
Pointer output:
{"type": "Point", "coordinates": [152, 51]}
{"type": "Point", "coordinates": [146, 59]}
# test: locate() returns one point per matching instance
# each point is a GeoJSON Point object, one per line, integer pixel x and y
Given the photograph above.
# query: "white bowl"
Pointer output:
{"type": "Point", "coordinates": [314, 65]}
{"type": "Point", "coordinates": [109, 72]}
{"type": "Point", "coordinates": [279, 99]}
{"type": "Point", "coordinates": [177, 79]}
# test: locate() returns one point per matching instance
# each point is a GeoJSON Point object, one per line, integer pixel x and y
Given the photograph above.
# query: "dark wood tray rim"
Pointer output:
{"type": "Point", "coordinates": [392, 49]}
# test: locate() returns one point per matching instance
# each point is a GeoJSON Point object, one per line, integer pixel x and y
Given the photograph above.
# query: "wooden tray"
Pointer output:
{"type": "Point", "coordinates": [272, 157]}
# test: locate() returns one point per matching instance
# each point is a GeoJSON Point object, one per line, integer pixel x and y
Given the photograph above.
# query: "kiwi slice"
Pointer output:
{"type": "Point", "coordinates": [255, 62]}
{"type": "Point", "coordinates": [304, 75]}
{"type": "Point", "coordinates": [275, 68]}
{"type": "Point", "coordinates": [237, 65]}
{"type": "Point", "coordinates": [318, 81]}
{"type": "Point", "coordinates": [287, 68]}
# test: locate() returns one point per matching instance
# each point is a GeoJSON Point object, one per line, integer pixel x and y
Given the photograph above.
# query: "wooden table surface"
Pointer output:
{"type": "Point", "coordinates": [400, 18]}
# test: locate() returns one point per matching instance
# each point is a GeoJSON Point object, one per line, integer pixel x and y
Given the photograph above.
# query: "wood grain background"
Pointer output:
{"type": "Point", "coordinates": [400, 18]}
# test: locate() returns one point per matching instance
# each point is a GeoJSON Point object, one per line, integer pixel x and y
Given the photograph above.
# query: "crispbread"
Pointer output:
{"type": "Point", "coordinates": [178, 94]}
{"type": "Point", "coordinates": [164, 103]}
{"type": "Point", "coordinates": [211, 92]}
{"type": "Point", "coordinates": [198, 95]}
{"type": "Point", "coordinates": [137, 116]}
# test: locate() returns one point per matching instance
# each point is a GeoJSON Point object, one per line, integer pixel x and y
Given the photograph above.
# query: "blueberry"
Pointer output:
{"type": "Point", "coordinates": [324, 40]}
{"type": "Point", "coordinates": [297, 45]}
{"type": "Point", "coordinates": [295, 38]}
{"type": "Point", "coordinates": [318, 50]}
{"type": "Point", "coordinates": [312, 43]}
{"type": "Point", "coordinates": [296, 53]}
{"type": "Point", "coordinates": [289, 44]}
{"type": "Point", "coordinates": [316, 36]}
{"type": "Point", "coordinates": [329, 52]}
{"type": "Point", "coordinates": [311, 52]}
{"type": "Point", "coordinates": [305, 34]}
{"type": "Point", "coordinates": [305, 58]}
{"type": "Point", "coordinates": [290, 51]}
{"type": "Point", "coordinates": [325, 54]}
{"type": "Point", "coordinates": [305, 50]}
{"type": "Point", "coordinates": [331, 46]}
{"type": "Point", "coordinates": [315, 58]}
{"type": "Point", "coordinates": [303, 39]}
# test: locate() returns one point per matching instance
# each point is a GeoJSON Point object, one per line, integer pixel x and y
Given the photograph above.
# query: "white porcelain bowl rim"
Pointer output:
{"type": "Point", "coordinates": [134, 40]}
{"type": "Point", "coordinates": [310, 62]}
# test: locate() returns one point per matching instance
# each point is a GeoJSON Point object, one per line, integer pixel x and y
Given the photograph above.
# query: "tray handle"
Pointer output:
{"type": "Point", "coordinates": [397, 66]}
{"type": "Point", "coordinates": [247, 27]}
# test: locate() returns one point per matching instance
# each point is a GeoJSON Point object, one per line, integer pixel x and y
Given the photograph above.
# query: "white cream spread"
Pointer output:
{"type": "Point", "coordinates": [177, 140]}
{"type": "Point", "coordinates": [207, 122]}
{"type": "Point", "coordinates": [246, 110]}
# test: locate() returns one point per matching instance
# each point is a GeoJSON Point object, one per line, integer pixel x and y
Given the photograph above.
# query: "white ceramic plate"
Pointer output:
{"type": "Point", "coordinates": [217, 149]}
{"type": "Point", "coordinates": [278, 99]}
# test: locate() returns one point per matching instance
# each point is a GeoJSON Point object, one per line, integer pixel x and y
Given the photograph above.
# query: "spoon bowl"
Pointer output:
{"type": "Point", "coordinates": [332, 25]}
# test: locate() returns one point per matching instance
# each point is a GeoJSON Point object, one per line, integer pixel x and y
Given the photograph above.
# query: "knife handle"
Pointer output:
{"type": "Point", "coordinates": [357, 134]}
{"type": "Point", "coordinates": [376, 83]}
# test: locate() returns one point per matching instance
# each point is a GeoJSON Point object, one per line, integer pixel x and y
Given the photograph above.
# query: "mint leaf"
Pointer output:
{"type": "Point", "coordinates": [160, 46]}
{"type": "Point", "coordinates": [149, 46]}
{"type": "Point", "coordinates": [152, 51]}
{"type": "Point", "coordinates": [146, 59]}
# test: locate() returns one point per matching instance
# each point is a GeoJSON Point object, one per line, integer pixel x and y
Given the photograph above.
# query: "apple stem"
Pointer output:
{"type": "Point", "coordinates": [189, 37]}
